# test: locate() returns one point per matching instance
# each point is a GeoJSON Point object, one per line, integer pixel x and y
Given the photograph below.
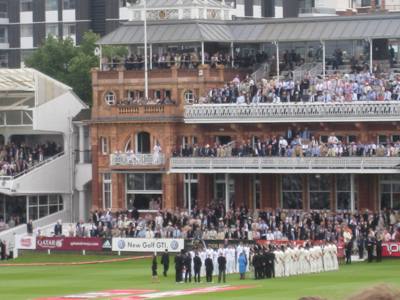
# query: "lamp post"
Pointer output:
{"type": "Point", "coordinates": [146, 75]}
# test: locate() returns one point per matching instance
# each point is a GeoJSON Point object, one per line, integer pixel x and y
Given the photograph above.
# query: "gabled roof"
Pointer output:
{"type": "Point", "coordinates": [257, 31]}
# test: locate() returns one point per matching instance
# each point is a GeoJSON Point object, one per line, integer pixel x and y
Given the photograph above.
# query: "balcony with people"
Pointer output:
{"type": "Point", "coordinates": [289, 153]}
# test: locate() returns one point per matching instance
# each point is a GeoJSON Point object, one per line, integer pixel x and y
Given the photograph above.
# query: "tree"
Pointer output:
{"type": "Point", "coordinates": [61, 60]}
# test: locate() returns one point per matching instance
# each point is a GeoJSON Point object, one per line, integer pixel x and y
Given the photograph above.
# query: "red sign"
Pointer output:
{"type": "Point", "coordinates": [69, 243]}
{"type": "Point", "coordinates": [391, 249]}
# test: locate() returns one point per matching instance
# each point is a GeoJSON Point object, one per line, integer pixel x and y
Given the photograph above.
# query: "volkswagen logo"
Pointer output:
{"type": "Point", "coordinates": [121, 244]}
{"type": "Point", "coordinates": [174, 245]}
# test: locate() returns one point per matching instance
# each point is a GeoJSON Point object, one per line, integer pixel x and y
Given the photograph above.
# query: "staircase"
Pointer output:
{"type": "Point", "coordinates": [49, 176]}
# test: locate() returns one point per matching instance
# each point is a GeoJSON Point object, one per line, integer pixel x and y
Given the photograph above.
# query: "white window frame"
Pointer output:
{"type": "Point", "coordinates": [188, 95]}
{"type": "Point", "coordinates": [110, 98]}
{"type": "Point", "coordinates": [50, 28]}
{"type": "Point", "coordinates": [104, 145]}
{"type": "Point", "coordinates": [107, 188]}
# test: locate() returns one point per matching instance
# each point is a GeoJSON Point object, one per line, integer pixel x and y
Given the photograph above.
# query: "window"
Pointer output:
{"type": "Point", "coordinates": [104, 145]}
{"type": "Point", "coordinates": [107, 191]}
{"type": "Point", "coordinates": [51, 4]}
{"type": "Point", "coordinates": [26, 30]}
{"type": "Point", "coordinates": [110, 98]}
{"type": "Point", "coordinates": [40, 206]}
{"type": "Point", "coordinates": [390, 192]}
{"type": "Point", "coordinates": [382, 139]}
{"type": "Point", "coordinates": [144, 191]}
{"type": "Point", "coordinates": [143, 142]}
{"type": "Point", "coordinates": [69, 4]}
{"type": "Point", "coordinates": [69, 29]}
{"type": "Point", "coordinates": [122, 3]}
{"type": "Point", "coordinates": [190, 188]}
{"type": "Point", "coordinates": [320, 191]}
{"type": "Point", "coordinates": [343, 192]}
{"type": "Point", "coordinates": [3, 60]}
{"type": "Point", "coordinates": [52, 29]}
{"type": "Point", "coordinates": [3, 10]}
{"type": "Point", "coordinates": [189, 96]}
{"type": "Point", "coordinates": [26, 5]}
{"type": "Point", "coordinates": [292, 192]}
{"type": "Point", "coordinates": [3, 35]}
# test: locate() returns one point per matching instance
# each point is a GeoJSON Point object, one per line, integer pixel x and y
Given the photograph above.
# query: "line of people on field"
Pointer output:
{"type": "Point", "coordinates": [274, 261]}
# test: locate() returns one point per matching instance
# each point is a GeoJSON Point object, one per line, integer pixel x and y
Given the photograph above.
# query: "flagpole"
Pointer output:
{"type": "Point", "coordinates": [146, 78]}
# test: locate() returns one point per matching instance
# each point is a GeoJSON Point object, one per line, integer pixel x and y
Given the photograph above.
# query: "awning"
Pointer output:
{"type": "Point", "coordinates": [258, 30]}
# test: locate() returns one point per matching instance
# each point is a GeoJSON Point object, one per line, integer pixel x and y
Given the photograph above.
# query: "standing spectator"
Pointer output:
{"type": "Point", "coordinates": [29, 227]}
{"type": "Point", "coordinates": [221, 268]}
{"type": "Point", "coordinates": [178, 267]}
{"type": "Point", "coordinates": [165, 262]}
{"type": "Point", "coordinates": [58, 228]}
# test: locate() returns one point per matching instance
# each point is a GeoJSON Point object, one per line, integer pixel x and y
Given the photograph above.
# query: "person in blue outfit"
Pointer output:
{"type": "Point", "coordinates": [242, 265]}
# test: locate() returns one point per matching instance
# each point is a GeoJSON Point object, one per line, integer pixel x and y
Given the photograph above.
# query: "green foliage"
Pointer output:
{"type": "Point", "coordinates": [115, 51]}
{"type": "Point", "coordinates": [60, 59]}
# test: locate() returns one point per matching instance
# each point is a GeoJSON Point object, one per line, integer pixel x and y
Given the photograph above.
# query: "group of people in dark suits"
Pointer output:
{"type": "Point", "coordinates": [263, 262]}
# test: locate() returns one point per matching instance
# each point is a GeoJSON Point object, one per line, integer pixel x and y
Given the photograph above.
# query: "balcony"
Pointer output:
{"type": "Point", "coordinates": [286, 165]}
{"type": "Point", "coordinates": [137, 161]}
{"type": "Point", "coordinates": [293, 112]}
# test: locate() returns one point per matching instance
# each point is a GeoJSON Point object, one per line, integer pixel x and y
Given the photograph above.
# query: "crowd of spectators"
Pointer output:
{"type": "Point", "coordinates": [356, 86]}
{"type": "Point", "coordinates": [16, 158]}
{"type": "Point", "coordinates": [185, 60]}
{"type": "Point", "coordinates": [302, 145]}
{"type": "Point", "coordinates": [215, 223]}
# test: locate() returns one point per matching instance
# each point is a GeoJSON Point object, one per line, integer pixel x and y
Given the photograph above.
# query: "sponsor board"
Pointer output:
{"type": "Point", "coordinates": [391, 249]}
{"type": "Point", "coordinates": [147, 294]}
{"type": "Point", "coordinates": [69, 243]}
{"type": "Point", "coordinates": [26, 242]}
{"type": "Point", "coordinates": [147, 245]}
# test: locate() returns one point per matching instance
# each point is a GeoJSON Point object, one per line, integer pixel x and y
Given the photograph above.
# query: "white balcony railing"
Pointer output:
{"type": "Point", "coordinates": [378, 165]}
{"type": "Point", "coordinates": [132, 159]}
{"type": "Point", "coordinates": [293, 112]}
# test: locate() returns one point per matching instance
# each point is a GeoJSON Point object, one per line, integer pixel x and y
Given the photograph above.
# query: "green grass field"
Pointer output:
{"type": "Point", "coordinates": [21, 282]}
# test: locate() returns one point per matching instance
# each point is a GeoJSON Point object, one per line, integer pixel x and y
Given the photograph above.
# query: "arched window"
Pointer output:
{"type": "Point", "coordinates": [110, 98]}
{"type": "Point", "coordinates": [128, 146]}
{"type": "Point", "coordinates": [143, 142]}
{"type": "Point", "coordinates": [189, 96]}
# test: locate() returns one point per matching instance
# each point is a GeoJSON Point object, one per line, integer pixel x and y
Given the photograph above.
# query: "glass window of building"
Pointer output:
{"type": "Point", "coordinates": [107, 191]}
{"type": "Point", "coordinates": [69, 29]}
{"type": "Point", "coordinates": [144, 191]}
{"type": "Point", "coordinates": [3, 60]}
{"type": "Point", "coordinates": [51, 4]}
{"type": "Point", "coordinates": [189, 96]}
{"type": "Point", "coordinates": [26, 30]}
{"type": "Point", "coordinates": [320, 191]}
{"type": "Point", "coordinates": [343, 192]}
{"type": "Point", "coordinates": [104, 145]}
{"type": "Point", "coordinates": [389, 188]}
{"type": "Point", "coordinates": [110, 98]}
{"type": "Point", "coordinates": [40, 206]}
{"type": "Point", "coordinates": [69, 4]}
{"type": "Point", "coordinates": [26, 5]}
{"type": "Point", "coordinates": [257, 192]}
{"type": "Point", "coordinates": [52, 29]}
{"type": "Point", "coordinates": [3, 35]}
{"type": "Point", "coordinates": [3, 10]}
{"type": "Point", "coordinates": [190, 190]}
{"type": "Point", "coordinates": [292, 191]}
{"type": "Point", "coordinates": [143, 142]}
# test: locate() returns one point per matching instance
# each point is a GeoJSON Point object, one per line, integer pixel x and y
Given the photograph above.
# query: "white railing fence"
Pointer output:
{"type": "Point", "coordinates": [277, 164]}
{"type": "Point", "coordinates": [132, 159]}
{"type": "Point", "coordinates": [293, 112]}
